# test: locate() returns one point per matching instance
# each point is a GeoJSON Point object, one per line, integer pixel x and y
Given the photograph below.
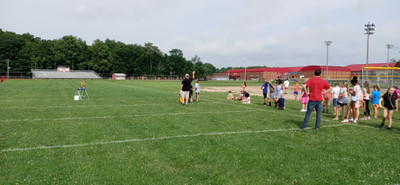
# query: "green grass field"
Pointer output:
{"type": "Point", "coordinates": [135, 132]}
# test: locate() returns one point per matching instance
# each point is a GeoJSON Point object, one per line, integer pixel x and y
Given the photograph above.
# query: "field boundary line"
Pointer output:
{"type": "Point", "coordinates": [159, 138]}
{"type": "Point", "coordinates": [124, 116]}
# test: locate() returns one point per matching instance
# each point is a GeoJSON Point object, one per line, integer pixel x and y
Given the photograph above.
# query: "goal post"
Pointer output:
{"type": "Point", "coordinates": [384, 76]}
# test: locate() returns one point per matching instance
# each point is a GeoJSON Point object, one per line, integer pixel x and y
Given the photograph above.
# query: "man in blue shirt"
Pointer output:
{"type": "Point", "coordinates": [264, 87]}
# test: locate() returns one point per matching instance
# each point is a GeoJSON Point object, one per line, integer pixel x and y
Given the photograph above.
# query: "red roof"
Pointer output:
{"type": "Point", "coordinates": [358, 67]}
{"type": "Point", "coordinates": [323, 68]}
{"type": "Point", "coordinates": [280, 70]}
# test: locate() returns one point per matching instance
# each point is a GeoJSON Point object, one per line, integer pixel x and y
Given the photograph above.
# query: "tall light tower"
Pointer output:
{"type": "Point", "coordinates": [8, 68]}
{"type": "Point", "coordinates": [369, 30]}
{"type": "Point", "coordinates": [327, 42]}
{"type": "Point", "coordinates": [388, 46]}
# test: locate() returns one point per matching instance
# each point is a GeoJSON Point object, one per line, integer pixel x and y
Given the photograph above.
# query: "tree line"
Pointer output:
{"type": "Point", "coordinates": [26, 52]}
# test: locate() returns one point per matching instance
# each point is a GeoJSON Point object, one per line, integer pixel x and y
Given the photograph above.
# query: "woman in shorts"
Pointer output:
{"type": "Point", "coordinates": [390, 104]}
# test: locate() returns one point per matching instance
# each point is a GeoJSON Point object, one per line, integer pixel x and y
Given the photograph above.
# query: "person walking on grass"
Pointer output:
{"type": "Point", "coordinates": [316, 85]}
{"type": "Point", "coordinates": [296, 90]}
{"type": "Point", "coordinates": [390, 104]}
{"type": "Point", "coordinates": [186, 87]}
{"type": "Point", "coordinates": [375, 96]}
{"type": "Point", "coordinates": [264, 88]}
{"type": "Point", "coordinates": [286, 83]}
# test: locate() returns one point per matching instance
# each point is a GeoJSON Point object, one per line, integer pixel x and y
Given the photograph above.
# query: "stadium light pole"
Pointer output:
{"type": "Point", "coordinates": [388, 46]}
{"type": "Point", "coordinates": [8, 69]}
{"type": "Point", "coordinates": [369, 30]}
{"type": "Point", "coordinates": [327, 42]}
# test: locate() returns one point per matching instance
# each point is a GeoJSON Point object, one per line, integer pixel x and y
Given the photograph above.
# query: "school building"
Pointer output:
{"type": "Point", "coordinates": [334, 72]}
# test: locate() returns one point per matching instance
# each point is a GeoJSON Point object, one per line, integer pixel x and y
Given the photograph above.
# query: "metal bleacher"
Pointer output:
{"type": "Point", "coordinates": [73, 74]}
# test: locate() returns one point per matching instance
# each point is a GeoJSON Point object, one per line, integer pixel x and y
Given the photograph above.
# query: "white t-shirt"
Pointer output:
{"type": "Point", "coordinates": [197, 86]}
{"type": "Point", "coordinates": [286, 83]}
{"type": "Point", "coordinates": [336, 92]}
{"type": "Point", "coordinates": [366, 95]}
{"type": "Point", "coordinates": [246, 100]}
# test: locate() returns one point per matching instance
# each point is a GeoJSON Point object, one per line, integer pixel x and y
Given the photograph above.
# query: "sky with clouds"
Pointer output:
{"type": "Point", "coordinates": [222, 32]}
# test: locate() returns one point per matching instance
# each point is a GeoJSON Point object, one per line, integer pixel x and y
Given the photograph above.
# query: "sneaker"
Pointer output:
{"type": "Point", "coordinates": [355, 121]}
{"type": "Point", "coordinates": [317, 129]}
{"type": "Point", "coordinates": [351, 119]}
{"type": "Point", "coordinates": [381, 126]}
{"type": "Point", "coordinates": [368, 118]}
{"type": "Point", "coordinates": [389, 128]}
{"type": "Point", "coordinates": [265, 105]}
{"type": "Point", "coordinates": [345, 121]}
{"type": "Point", "coordinates": [364, 118]}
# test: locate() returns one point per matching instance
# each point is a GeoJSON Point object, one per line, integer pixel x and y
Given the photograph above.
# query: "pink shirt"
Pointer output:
{"type": "Point", "coordinates": [397, 91]}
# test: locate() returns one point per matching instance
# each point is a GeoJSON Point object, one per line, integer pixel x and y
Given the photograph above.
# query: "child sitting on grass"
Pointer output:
{"type": "Point", "coordinates": [246, 98]}
{"type": "Point", "coordinates": [390, 104]}
{"type": "Point", "coordinates": [240, 97]}
{"type": "Point", "coordinates": [230, 96]}
{"type": "Point", "coordinates": [281, 102]}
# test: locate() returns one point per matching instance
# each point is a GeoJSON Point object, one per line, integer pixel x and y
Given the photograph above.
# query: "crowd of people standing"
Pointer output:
{"type": "Point", "coordinates": [316, 95]}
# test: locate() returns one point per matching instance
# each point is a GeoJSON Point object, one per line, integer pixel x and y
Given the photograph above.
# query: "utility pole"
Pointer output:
{"type": "Point", "coordinates": [388, 46]}
{"type": "Point", "coordinates": [8, 69]}
{"type": "Point", "coordinates": [327, 42]}
{"type": "Point", "coordinates": [369, 30]}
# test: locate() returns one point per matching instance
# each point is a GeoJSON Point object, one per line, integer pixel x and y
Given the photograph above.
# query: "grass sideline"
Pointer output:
{"type": "Point", "coordinates": [134, 132]}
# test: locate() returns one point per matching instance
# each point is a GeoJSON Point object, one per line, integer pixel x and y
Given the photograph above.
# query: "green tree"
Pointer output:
{"type": "Point", "coordinates": [69, 50]}
{"type": "Point", "coordinates": [101, 57]}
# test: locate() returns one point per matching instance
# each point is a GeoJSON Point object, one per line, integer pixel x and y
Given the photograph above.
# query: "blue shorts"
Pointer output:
{"type": "Point", "coordinates": [296, 92]}
{"type": "Point", "coordinates": [335, 102]}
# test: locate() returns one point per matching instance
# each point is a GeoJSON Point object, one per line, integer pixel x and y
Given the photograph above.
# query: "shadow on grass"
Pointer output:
{"type": "Point", "coordinates": [296, 122]}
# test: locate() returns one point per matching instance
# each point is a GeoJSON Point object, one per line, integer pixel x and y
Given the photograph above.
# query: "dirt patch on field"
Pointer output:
{"type": "Point", "coordinates": [252, 90]}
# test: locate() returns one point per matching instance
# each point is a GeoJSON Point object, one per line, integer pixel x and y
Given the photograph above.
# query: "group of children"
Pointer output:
{"type": "Point", "coordinates": [196, 90]}
{"type": "Point", "coordinates": [346, 100]}
{"type": "Point", "coordinates": [275, 94]}
{"type": "Point", "coordinates": [351, 99]}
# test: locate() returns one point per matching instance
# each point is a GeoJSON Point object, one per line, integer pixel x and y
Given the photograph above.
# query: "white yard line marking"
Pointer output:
{"type": "Point", "coordinates": [124, 116]}
{"type": "Point", "coordinates": [83, 106]}
{"type": "Point", "coordinates": [157, 138]}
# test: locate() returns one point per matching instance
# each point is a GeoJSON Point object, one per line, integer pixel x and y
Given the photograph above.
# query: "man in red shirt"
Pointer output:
{"type": "Point", "coordinates": [316, 87]}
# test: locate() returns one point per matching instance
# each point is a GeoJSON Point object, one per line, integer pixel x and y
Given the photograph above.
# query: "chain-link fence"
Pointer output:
{"type": "Point", "coordinates": [384, 76]}
{"type": "Point", "coordinates": [17, 75]}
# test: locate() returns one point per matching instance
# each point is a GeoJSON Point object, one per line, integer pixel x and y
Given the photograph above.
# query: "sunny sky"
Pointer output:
{"type": "Point", "coordinates": [275, 33]}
